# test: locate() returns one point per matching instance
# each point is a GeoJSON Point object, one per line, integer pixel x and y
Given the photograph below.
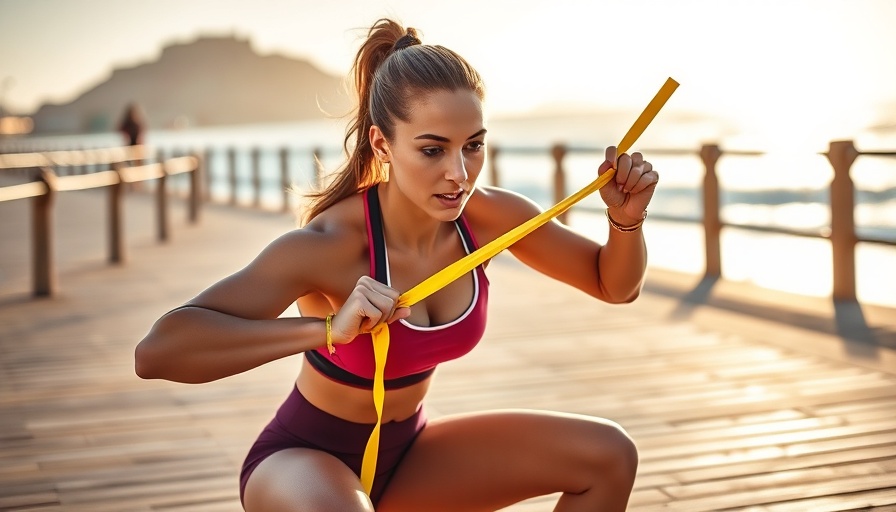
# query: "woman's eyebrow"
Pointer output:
{"type": "Point", "coordinates": [439, 138]}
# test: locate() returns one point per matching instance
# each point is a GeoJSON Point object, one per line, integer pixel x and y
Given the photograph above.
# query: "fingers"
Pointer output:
{"type": "Point", "coordinates": [399, 314]}
{"type": "Point", "coordinates": [633, 173]}
{"type": "Point", "coordinates": [380, 303]}
{"type": "Point", "coordinates": [609, 160]}
{"type": "Point", "coordinates": [369, 304]}
{"type": "Point", "coordinates": [623, 171]}
{"type": "Point", "coordinates": [640, 176]}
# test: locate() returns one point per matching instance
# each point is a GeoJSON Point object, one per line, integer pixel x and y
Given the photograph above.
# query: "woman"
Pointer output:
{"type": "Point", "coordinates": [404, 206]}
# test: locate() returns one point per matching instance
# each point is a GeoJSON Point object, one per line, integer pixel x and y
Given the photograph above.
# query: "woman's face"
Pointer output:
{"type": "Point", "coordinates": [436, 157]}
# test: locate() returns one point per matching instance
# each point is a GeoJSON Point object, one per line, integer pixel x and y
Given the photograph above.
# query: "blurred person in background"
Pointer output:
{"type": "Point", "coordinates": [132, 125]}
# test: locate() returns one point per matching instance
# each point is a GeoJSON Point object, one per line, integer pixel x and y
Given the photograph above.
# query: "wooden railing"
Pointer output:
{"type": "Point", "coordinates": [842, 231]}
{"type": "Point", "coordinates": [285, 175]}
{"type": "Point", "coordinates": [111, 168]}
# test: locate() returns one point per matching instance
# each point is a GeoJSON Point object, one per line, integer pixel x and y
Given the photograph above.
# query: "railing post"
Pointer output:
{"type": "Point", "coordinates": [493, 175]}
{"type": "Point", "coordinates": [80, 168]}
{"type": "Point", "coordinates": [117, 253]}
{"type": "Point", "coordinates": [44, 270]}
{"type": "Point", "coordinates": [842, 154]}
{"type": "Point", "coordinates": [712, 222]}
{"type": "Point", "coordinates": [207, 174]}
{"type": "Point", "coordinates": [231, 173]}
{"type": "Point", "coordinates": [162, 205]}
{"type": "Point", "coordinates": [284, 177]}
{"type": "Point", "coordinates": [256, 177]}
{"type": "Point", "coordinates": [196, 192]}
{"type": "Point", "coordinates": [559, 152]}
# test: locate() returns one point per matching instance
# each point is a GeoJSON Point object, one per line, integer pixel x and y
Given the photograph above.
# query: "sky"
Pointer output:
{"type": "Point", "coordinates": [790, 70]}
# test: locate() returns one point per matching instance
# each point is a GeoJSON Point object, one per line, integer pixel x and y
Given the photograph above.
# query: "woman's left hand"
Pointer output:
{"type": "Point", "coordinates": [631, 189]}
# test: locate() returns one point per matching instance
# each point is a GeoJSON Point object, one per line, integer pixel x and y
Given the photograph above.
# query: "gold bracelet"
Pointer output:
{"type": "Point", "coordinates": [625, 229]}
{"type": "Point", "coordinates": [330, 346]}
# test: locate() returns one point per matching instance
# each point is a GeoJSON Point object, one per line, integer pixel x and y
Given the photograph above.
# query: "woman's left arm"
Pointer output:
{"type": "Point", "coordinates": [612, 272]}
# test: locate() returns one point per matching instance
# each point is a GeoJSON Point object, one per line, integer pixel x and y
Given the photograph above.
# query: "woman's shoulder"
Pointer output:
{"type": "Point", "coordinates": [338, 231]}
{"type": "Point", "coordinates": [500, 196]}
{"type": "Point", "coordinates": [492, 211]}
{"type": "Point", "coordinates": [344, 217]}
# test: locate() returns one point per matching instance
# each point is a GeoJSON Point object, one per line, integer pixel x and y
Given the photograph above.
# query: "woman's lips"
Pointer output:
{"type": "Point", "coordinates": [451, 200]}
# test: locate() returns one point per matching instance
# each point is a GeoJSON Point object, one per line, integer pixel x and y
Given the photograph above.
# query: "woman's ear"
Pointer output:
{"type": "Point", "coordinates": [379, 144]}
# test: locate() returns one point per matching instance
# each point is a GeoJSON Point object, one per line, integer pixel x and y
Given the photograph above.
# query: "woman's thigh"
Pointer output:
{"type": "Point", "coordinates": [302, 479]}
{"type": "Point", "coordinates": [487, 461]}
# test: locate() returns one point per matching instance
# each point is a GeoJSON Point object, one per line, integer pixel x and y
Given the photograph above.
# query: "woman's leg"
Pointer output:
{"type": "Point", "coordinates": [487, 461]}
{"type": "Point", "coordinates": [302, 479]}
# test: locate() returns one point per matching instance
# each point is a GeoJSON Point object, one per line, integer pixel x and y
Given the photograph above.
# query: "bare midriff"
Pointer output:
{"type": "Point", "coordinates": [356, 404]}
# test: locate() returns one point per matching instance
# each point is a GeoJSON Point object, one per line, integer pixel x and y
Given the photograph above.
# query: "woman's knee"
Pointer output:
{"type": "Point", "coordinates": [613, 454]}
{"type": "Point", "coordinates": [622, 453]}
{"type": "Point", "coordinates": [302, 480]}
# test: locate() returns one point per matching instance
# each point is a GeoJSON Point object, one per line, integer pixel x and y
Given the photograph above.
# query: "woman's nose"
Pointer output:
{"type": "Point", "coordinates": [457, 172]}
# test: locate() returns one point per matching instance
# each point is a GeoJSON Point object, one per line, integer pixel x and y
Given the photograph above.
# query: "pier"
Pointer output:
{"type": "Point", "coordinates": [739, 398]}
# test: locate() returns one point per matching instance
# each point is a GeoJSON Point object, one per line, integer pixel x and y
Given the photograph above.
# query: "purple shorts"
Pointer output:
{"type": "Point", "coordinates": [299, 424]}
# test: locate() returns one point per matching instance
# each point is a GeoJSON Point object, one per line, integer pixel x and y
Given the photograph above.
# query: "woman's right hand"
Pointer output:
{"type": "Point", "coordinates": [371, 303]}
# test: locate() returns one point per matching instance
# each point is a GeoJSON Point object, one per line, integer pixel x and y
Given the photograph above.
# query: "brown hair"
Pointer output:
{"type": "Point", "coordinates": [390, 69]}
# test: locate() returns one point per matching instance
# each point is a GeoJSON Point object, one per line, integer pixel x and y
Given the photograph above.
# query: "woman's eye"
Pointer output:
{"type": "Point", "coordinates": [431, 151]}
{"type": "Point", "coordinates": [476, 145]}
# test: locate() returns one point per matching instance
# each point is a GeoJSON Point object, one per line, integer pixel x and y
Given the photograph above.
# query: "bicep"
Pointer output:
{"type": "Point", "coordinates": [563, 254]}
{"type": "Point", "coordinates": [268, 285]}
{"type": "Point", "coordinates": [553, 249]}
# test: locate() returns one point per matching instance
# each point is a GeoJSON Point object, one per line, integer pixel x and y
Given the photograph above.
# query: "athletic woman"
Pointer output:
{"type": "Point", "coordinates": [405, 205]}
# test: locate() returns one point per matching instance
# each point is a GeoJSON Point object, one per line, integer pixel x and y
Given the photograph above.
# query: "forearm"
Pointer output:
{"type": "Point", "coordinates": [200, 345]}
{"type": "Point", "coordinates": [621, 265]}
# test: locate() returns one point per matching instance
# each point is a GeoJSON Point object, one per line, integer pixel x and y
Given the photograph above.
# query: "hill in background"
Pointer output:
{"type": "Point", "coordinates": [210, 81]}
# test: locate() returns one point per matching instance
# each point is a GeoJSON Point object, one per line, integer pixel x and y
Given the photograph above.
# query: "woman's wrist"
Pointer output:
{"type": "Point", "coordinates": [620, 222]}
{"type": "Point", "coordinates": [329, 330]}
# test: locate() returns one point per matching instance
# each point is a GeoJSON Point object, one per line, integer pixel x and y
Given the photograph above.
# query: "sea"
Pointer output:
{"type": "Point", "coordinates": [780, 188]}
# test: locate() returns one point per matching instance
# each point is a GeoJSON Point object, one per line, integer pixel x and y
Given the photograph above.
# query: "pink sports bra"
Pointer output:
{"type": "Point", "coordinates": [414, 351]}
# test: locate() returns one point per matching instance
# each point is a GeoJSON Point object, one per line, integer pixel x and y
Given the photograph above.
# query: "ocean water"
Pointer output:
{"type": "Point", "coordinates": [783, 189]}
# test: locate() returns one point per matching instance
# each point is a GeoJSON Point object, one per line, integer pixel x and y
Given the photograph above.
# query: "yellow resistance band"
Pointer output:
{"type": "Point", "coordinates": [469, 262]}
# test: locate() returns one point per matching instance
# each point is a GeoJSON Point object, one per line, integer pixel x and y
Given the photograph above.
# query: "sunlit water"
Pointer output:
{"type": "Point", "coordinates": [783, 189]}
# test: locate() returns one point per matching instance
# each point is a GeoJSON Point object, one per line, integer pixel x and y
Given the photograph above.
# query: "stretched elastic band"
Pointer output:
{"type": "Point", "coordinates": [469, 262]}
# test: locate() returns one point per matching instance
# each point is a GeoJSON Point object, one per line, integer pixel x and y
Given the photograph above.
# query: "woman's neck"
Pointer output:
{"type": "Point", "coordinates": [407, 227]}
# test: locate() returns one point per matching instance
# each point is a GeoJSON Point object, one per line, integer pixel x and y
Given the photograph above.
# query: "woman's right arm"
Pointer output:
{"type": "Point", "coordinates": [233, 326]}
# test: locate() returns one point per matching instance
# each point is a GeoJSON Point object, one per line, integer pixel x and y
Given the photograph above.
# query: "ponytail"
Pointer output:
{"type": "Point", "coordinates": [390, 67]}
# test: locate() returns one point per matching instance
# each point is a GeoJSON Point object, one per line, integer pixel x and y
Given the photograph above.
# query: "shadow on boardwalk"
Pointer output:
{"type": "Point", "coordinates": [738, 398]}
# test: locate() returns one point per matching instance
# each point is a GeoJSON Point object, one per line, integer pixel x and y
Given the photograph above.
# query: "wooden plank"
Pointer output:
{"type": "Point", "coordinates": [782, 493]}
{"type": "Point", "coordinates": [785, 463]}
{"type": "Point", "coordinates": [73, 158]}
{"type": "Point", "coordinates": [100, 156]}
{"type": "Point", "coordinates": [141, 173]}
{"type": "Point", "coordinates": [23, 160]}
{"type": "Point", "coordinates": [23, 191]}
{"type": "Point", "coordinates": [707, 460]}
{"type": "Point", "coordinates": [86, 181]}
{"type": "Point", "coordinates": [815, 477]}
{"type": "Point", "coordinates": [25, 500]}
{"type": "Point", "coordinates": [181, 164]}
{"type": "Point", "coordinates": [879, 500]}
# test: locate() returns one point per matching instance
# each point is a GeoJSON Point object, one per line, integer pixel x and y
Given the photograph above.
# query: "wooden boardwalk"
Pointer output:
{"type": "Point", "coordinates": [738, 398]}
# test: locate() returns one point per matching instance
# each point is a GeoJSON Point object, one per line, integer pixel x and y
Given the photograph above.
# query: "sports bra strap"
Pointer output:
{"type": "Point", "coordinates": [465, 234]}
{"type": "Point", "coordinates": [375, 235]}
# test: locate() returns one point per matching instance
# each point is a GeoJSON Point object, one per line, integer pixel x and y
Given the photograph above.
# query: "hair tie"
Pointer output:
{"type": "Point", "coordinates": [405, 41]}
